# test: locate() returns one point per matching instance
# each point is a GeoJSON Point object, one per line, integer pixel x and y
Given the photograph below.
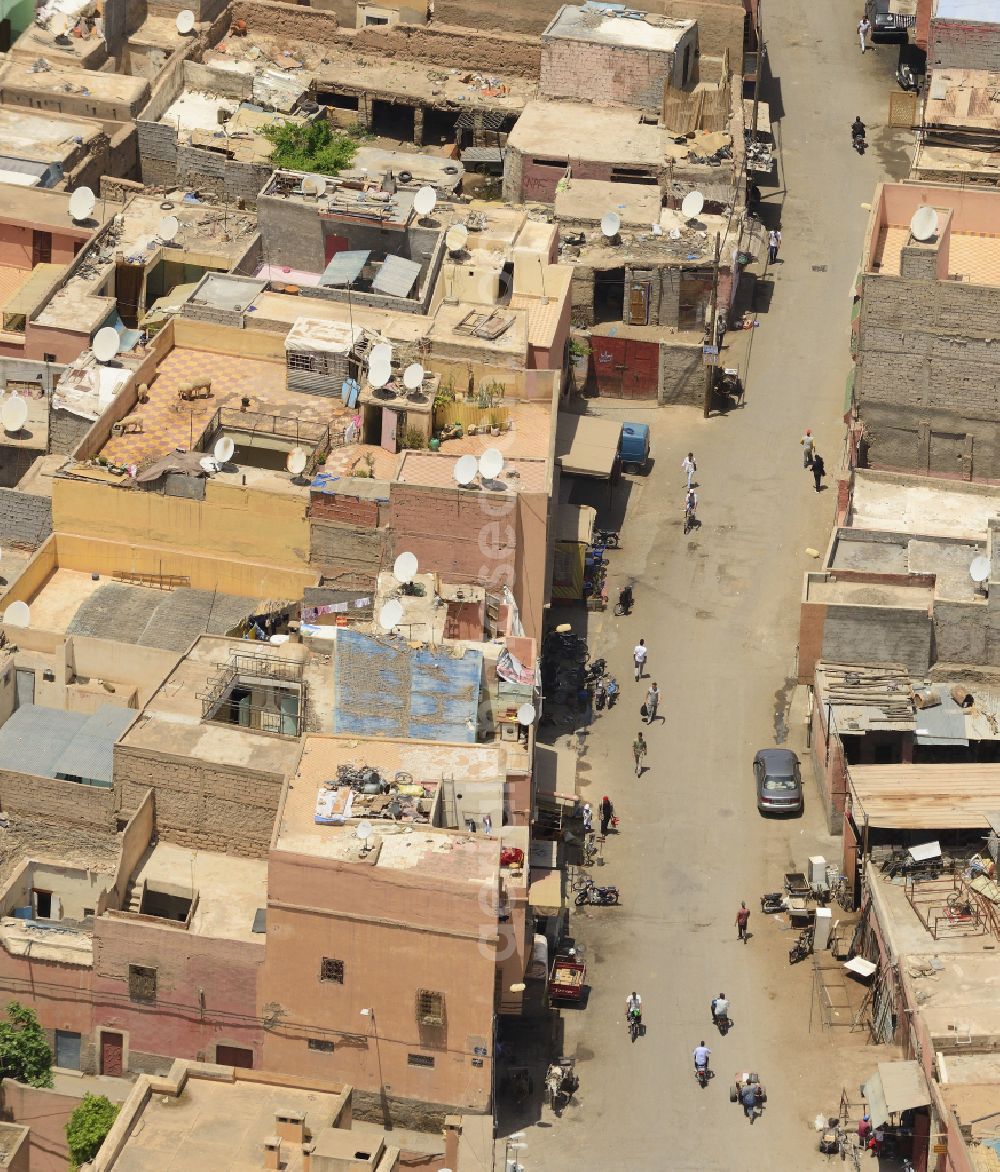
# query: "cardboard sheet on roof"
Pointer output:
{"type": "Point", "coordinates": [587, 446]}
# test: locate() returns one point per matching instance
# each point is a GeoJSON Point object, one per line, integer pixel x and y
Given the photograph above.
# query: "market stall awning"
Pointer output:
{"type": "Point", "coordinates": [925, 797]}
{"type": "Point", "coordinates": [546, 892]}
{"type": "Point", "coordinates": [898, 1086]}
{"type": "Point", "coordinates": [575, 523]}
{"type": "Point", "coordinates": [587, 446]}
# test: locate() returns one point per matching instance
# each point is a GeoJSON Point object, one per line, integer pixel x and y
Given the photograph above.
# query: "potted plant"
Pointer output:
{"type": "Point", "coordinates": [579, 357]}
{"type": "Point", "coordinates": [496, 421]}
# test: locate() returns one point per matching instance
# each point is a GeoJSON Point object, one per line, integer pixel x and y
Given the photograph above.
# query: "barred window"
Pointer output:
{"type": "Point", "coordinates": [331, 970]}
{"type": "Point", "coordinates": [141, 983]}
{"type": "Point", "coordinates": [419, 1060]}
{"type": "Point", "coordinates": [430, 1008]}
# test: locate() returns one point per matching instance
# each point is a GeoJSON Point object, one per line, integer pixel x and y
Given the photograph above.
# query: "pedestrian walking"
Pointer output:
{"type": "Point", "coordinates": [864, 28]}
{"type": "Point", "coordinates": [773, 244]}
{"type": "Point", "coordinates": [864, 1131]}
{"type": "Point", "coordinates": [819, 469]}
{"type": "Point", "coordinates": [640, 653]}
{"type": "Point", "coordinates": [638, 752]}
{"type": "Point", "coordinates": [652, 702]}
{"type": "Point", "coordinates": [808, 449]}
{"type": "Point", "coordinates": [607, 813]}
{"type": "Point", "coordinates": [689, 467]}
{"type": "Point", "coordinates": [742, 919]}
{"type": "Point", "coordinates": [487, 824]}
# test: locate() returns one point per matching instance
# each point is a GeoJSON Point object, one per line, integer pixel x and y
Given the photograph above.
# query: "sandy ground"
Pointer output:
{"type": "Point", "coordinates": [719, 611]}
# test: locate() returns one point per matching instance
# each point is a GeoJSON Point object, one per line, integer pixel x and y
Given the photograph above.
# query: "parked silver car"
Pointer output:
{"type": "Point", "coordinates": [779, 782]}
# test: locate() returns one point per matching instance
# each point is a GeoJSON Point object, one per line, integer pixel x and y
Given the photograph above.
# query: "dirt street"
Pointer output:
{"type": "Point", "coordinates": [719, 612]}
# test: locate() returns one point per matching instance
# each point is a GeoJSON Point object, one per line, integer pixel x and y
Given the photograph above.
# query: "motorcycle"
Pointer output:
{"type": "Point", "coordinates": [597, 896]}
{"type": "Point", "coordinates": [701, 1074]}
{"type": "Point", "coordinates": [600, 695]}
{"type": "Point", "coordinates": [634, 1023]}
{"type": "Point", "coordinates": [612, 690]}
{"type": "Point", "coordinates": [802, 947]}
{"type": "Point", "coordinates": [595, 670]}
{"type": "Point", "coordinates": [609, 538]}
{"type": "Point", "coordinates": [772, 901]}
{"type": "Point", "coordinates": [906, 78]}
{"type": "Point", "coordinates": [858, 140]}
{"type": "Point", "coordinates": [625, 600]}
{"type": "Point", "coordinates": [561, 1083]}
{"type": "Point", "coordinates": [723, 1021]}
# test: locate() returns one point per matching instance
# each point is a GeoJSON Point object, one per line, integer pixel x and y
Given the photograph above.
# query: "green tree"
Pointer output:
{"type": "Point", "coordinates": [88, 1126]}
{"type": "Point", "coordinates": [24, 1053]}
{"type": "Point", "coordinates": [313, 147]}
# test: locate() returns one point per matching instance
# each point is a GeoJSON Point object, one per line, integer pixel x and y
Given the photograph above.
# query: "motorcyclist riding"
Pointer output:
{"type": "Point", "coordinates": [857, 128]}
{"type": "Point", "coordinates": [720, 1008]}
{"type": "Point", "coordinates": [625, 598]}
{"type": "Point", "coordinates": [633, 1007]}
{"type": "Point", "coordinates": [701, 1056]}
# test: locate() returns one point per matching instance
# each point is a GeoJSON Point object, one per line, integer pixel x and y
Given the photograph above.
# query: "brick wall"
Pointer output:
{"type": "Point", "coordinates": [199, 804]}
{"type": "Point", "coordinates": [830, 771]}
{"type": "Point", "coordinates": [24, 519]}
{"type": "Point", "coordinates": [682, 375]}
{"type": "Point", "coordinates": [962, 44]}
{"type": "Point", "coordinates": [348, 510]}
{"type": "Point", "coordinates": [610, 75]}
{"type": "Point", "coordinates": [524, 180]}
{"type": "Point", "coordinates": [878, 634]}
{"type": "Point", "coordinates": [46, 1114]}
{"type": "Point", "coordinates": [338, 549]}
{"type": "Point", "coordinates": [62, 801]}
{"type": "Point", "coordinates": [291, 233]}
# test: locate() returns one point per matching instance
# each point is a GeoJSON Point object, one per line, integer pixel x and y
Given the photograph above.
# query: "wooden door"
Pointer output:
{"type": "Point", "coordinates": [112, 1054]}
{"type": "Point", "coordinates": [390, 424]}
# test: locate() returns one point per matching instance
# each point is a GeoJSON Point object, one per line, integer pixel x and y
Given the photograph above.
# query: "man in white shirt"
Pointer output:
{"type": "Point", "coordinates": [639, 655]}
{"type": "Point", "coordinates": [864, 28]}
{"type": "Point", "coordinates": [701, 1056]}
{"type": "Point", "coordinates": [689, 467]}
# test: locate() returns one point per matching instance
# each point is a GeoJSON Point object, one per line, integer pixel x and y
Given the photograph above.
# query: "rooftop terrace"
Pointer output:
{"type": "Point", "coordinates": [34, 135]}
{"type": "Point", "coordinates": [919, 504]}
{"type": "Point", "coordinates": [636, 30]}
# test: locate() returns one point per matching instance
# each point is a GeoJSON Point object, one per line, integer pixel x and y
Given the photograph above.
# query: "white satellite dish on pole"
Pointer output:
{"type": "Point", "coordinates": [313, 185]}
{"type": "Point", "coordinates": [185, 21]}
{"type": "Point", "coordinates": [424, 201]}
{"type": "Point", "coordinates": [413, 376]}
{"type": "Point", "coordinates": [364, 831]}
{"type": "Point", "coordinates": [404, 568]}
{"type": "Point", "coordinates": [611, 223]}
{"type": "Point", "coordinates": [491, 463]}
{"type": "Point", "coordinates": [979, 571]}
{"type": "Point", "coordinates": [465, 470]}
{"type": "Point", "coordinates": [296, 461]}
{"type": "Point", "coordinates": [13, 414]}
{"type": "Point", "coordinates": [224, 449]}
{"type": "Point", "coordinates": [81, 204]}
{"type": "Point", "coordinates": [169, 227]}
{"type": "Point", "coordinates": [923, 223]}
{"type": "Point", "coordinates": [526, 714]}
{"type": "Point", "coordinates": [382, 352]}
{"type": "Point", "coordinates": [378, 374]}
{"type": "Point", "coordinates": [455, 238]}
{"type": "Point", "coordinates": [18, 614]}
{"type": "Point", "coordinates": [692, 204]}
{"type": "Point", "coordinates": [105, 344]}
{"type": "Point", "coordinates": [390, 614]}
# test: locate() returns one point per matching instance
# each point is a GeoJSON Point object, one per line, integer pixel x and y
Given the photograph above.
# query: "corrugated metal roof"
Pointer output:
{"type": "Point", "coordinates": [89, 754]}
{"type": "Point", "coordinates": [943, 724]}
{"type": "Point", "coordinates": [48, 742]}
{"type": "Point", "coordinates": [925, 797]}
{"type": "Point", "coordinates": [344, 269]}
{"type": "Point", "coordinates": [396, 277]}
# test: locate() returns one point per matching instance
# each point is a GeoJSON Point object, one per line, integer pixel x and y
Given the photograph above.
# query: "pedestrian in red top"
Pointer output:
{"type": "Point", "coordinates": [742, 919]}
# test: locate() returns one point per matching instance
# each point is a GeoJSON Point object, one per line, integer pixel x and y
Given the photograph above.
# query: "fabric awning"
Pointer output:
{"type": "Point", "coordinates": [575, 523]}
{"type": "Point", "coordinates": [587, 446]}
{"type": "Point", "coordinates": [898, 1086]}
{"type": "Point", "coordinates": [546, 892]}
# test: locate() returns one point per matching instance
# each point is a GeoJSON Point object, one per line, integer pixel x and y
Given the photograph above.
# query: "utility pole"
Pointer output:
{"type": "Point", "coordinates": [712, 334]}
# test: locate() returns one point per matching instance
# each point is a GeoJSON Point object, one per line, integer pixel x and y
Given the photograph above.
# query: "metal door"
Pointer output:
{"type": "Point", "coordinates": [67, 1050]}
{"type": "Point", "coordinates": [24, 681]}
{"type": "Point", "coordinates": [390, 423]}
{"type": "Point", "coordinates": [112, 1054]}
{"type": "Point", "coordinates": [608, 358]}
{"type": "Point", "coordinates": [625, 368]}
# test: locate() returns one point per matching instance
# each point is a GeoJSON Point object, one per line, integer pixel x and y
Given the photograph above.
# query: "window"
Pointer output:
{"type": "Point", "coordinates": [331, 970]}
{"type": "Point", "coordinates": [373, 20]}
{"type": "Point", "coordinates": [141, 983]}
{"type": "Point", "coordinates": [419, 1060]}
{"type": "Point", "coordinates": [321, 1044]}
{"type": "Point", "coordinates": [430, 1008]}
{"type": "Point", "coordinates": [49, 358]}
{"type": "Point", "coordinates": [41, 248]}
{"type": "Point", "coordinates": [558, 164]}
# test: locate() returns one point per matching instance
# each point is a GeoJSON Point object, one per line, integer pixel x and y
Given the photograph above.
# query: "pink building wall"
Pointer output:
{"type": "Point", "coordinates": [16, 244]}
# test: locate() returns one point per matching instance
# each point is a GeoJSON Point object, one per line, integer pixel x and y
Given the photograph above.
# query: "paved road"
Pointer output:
{"type": "Point", "coordinates": [719, 610]}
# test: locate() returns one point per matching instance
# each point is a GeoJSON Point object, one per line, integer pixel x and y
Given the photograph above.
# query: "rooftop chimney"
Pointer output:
{"type": "Point", "coordinates": [272, 1152]}
{"type": "Point", "coordinates": [290, 1125]}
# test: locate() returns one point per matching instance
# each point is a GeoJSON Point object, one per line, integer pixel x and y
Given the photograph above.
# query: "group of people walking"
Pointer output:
{"type": "Point", "coordinates": [812, 460]}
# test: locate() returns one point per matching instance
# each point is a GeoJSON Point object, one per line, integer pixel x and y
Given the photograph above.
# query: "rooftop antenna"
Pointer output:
{"type": "Point", "coordinates": [424, 201]}
{"type": "Point", "coordinates": [456, 237]}
{"type": "Point", "coordinates": [105, 344]}
{"type": "Point", "coordinates": [168, 228]}
{"type": "Point", "coordinates": [413, 377]}
{"type": "Point", "coordinates": [18, 614]}
{"type": "Point", "coordinates": [380, 353]}
{"type": "Point", "coordinates": [491, 464]}
{"type": "Point", "coordinates": [313, 185]}
{"type": "Point", "coordinates": [296, 464]}
{"type": "Point", "coordinates": [692, 204]}
{"type": "Point", "coordinates": [390, 614]}
{"type": "Point", "coordinates": [923, 224]}
{"type": "Point", "coordinates": [404, 570]}
{"type": "Point", "coordinates": [526, 714]}
{"type": "Point", "coordinates": [59, 24]}
{"type": "Point", "coordinates": [81, 204]}
{"type": "Point", "coordinates": [611, 223]}
{"type": "Point", "coordinates": [185, 21]}
{"type": "Point", "coordinates": [979, 572]}
{"type": "Point", "coordinates": [365, 831]}
{"type": "Point", "coordinates": [13, 414]}
{"type": "Point", "coordinates": [223, 450]}
{"type": "Point", "coordinates": [465, 470]}
{"type": "Point", "coordinates": [379, 374]}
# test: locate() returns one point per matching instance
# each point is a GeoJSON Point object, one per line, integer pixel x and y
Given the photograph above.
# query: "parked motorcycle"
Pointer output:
{"type": "Point", "coordinates": [906, 78]}
{"type": "Point", "coordinates": [612, 690]}
{"type": "Point", "coordinates": [600, 695]}
{"type": "Point", "coordinates": [598, 896]}
{"type": "Point", "coordinates": [595, 670]}
{"type": "Point", "coordinates": [802, 947]}
{"type": "Point", "coordinates": [561, 1083]}
{"type": "Point", "coordinates": [772, 901]}
{"type": "Point", "coordinates": [625, 600]}
{"type": "Point", "coordinates": [609, 538]}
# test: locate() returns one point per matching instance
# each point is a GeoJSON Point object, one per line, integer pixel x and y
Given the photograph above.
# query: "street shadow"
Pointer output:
{"type": "Point", "coordinates": [611, 502]}
{"type": "Point", "coordinates": [770, 90]}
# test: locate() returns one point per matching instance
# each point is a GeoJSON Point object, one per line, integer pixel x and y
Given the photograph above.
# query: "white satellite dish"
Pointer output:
{"type": "Point", "coordinates": [313, 185]}
{"type": "Point", "coordinates": [364, 831]}
{"type": "Point", "coordinates": [296, 461]}
{"type": "Point", "coordinates": [169, 227]}
{"type": "Point", "coordinates": [18, 614]}
{"type": "Point", "coordinates": [424, 201]}
{"type": "Point", "coordinates": [378, 374]}
{"type": "Point", "coordinates": [184, 21]}
{"type": "Point", "coordinates": [224, 449]}
{"type": "Point", "coordinates": [491, 463]}
{"type": "Point", "coordinates": [208, 464]}
{"type": "Point", "coordinates": [59, 24]}
{"type": "Point", "coordinates": [979, 571]}
{"type": "Point", "coordinates": [105, 344]}
{"type": "Point", "coordinates": [81, 204]}
{"type": "Point", "coordinates": [390, 614]}
{"type": "Point", "coordinates": [380, 353]}
{"type": "Point", "coordinates": [13, 414]}
{"type": "Point", "coordinates": [611, 223]}
{"type": "Point", "coordinates": [455, 237]}
{"type": "Point", "coordinates": [526, 714]}
{"type": "Point", "coordinates": [405, 567]}
{"type": "Point", "coordinates": [692, 204]}
{"type": "Point", "coordinates": [413, 376]}
{"type": "Point", "coordinates": [924, 223]}
{"type": "Point", "coordinates": [466, 469]}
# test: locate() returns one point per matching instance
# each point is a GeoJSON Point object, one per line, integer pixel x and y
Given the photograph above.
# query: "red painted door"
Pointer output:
{"type": "Point", "coordinates": [608, 358]}
{"type": "Point", "coordinates": [625, 368]}
{"type": "Point", "coordinates": [333, 244]}
{"type": "Point", "coordinates": [112, 1054]}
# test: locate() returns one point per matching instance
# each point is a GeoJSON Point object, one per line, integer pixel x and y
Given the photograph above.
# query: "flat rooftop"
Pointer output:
{"type": "Point", "coordinates": [577, 131]}
{"type": "Point", "coordinates": [43, 208]}
{"type": "Point", "coordinates": [675, 240]}
{"type": "Point", "coordinates": [877, 553]}
{"type": "Point", "coordinates": [933, 160]}
{"type": "Point", "coordinates": [172, 721]}
{"type": "Point", "coordinates": [585, 201]}
{"type": "Point", "coordinates": [636, 30]}
{"type": "Point", "coordinates": [436, 470]}
{"type": "Point", "coordinates": [230, 890]}
{"type": "Point", "coordinates": [977, 11]}
{"type": "Point", "coordinates": [972, 257]}
{"type": "Point", "coordinates": [63, 79]}
{"type": "Point", "coordinates": [919, 504]}
{"type": "Point", "coordinates": [844, 593]}
{"type": "Point", "coordinates": [34, 434]}
{"type": "Point", "coordinates": [223, 123]}
{"type": "Point", "coordinates": [44, 136]}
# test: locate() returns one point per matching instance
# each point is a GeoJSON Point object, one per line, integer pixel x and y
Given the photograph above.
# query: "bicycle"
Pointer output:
{"type": "Point", "coordinates": [689, 518]}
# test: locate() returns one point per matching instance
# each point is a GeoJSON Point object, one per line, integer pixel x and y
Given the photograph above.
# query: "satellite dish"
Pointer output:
{"type": "Point", "coordinates": [296, 461]}
{"type": "Point", "coordinates": [491, 463]}
{"type": "Point", "coordinates": [526, 714]}
{"type": "Point", "coordinates": [13, 414]}
{"type": "Point", "coordinates": [208, 464]}
{"type": "Point", "coordinates": [378, 374]}
{"type": "Point", "coordinates": [184, 21]}
{"type": "Point", "coordinates": [364, 830]}
{"type": "Point", "coordinates": [105, 344]}
{"type": "Point", "coordinates": [224, 449]}
{"type": "Point", "coordinates": [59, 24]}
{"type": "Point", "coordinates": [424, 201]}
{"type": "Point", "coordinates": [611, 222]}
{"type": "Point", "coordinates": [924, 223]}
{"type": "Point", "coordinates": [390, 614]}
{"type": "Point", "coordinates": [313, 185]}
{"type": "Point", "coordinates": [169, 227]}
{"type": "Point", "coordinates": [405, 567]}
{"type": "Point", "coordinates": [81, 204]}
{"type": "Point", "coordinates": [455, 237]}
{"type": "Point", "coordinates": [18, 614]}
{"type": "Point", "coordinates": [380, 353]}
{"type": "Point", "coordinates": [466, 469]}
{"type": "Point", "coordinates": [979, 571]}
{"type": "Point", "coordinates": [413, 376]}
{"type": "Point", "coordinates": [692, 204]}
